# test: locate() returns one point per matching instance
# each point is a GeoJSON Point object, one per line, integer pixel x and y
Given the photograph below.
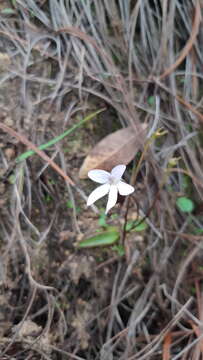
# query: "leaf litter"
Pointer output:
{"type": "Point", "coordinates": [59, 61]}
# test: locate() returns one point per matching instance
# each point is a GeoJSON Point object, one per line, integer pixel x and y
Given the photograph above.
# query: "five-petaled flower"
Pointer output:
{"type": "Point", "coordinates": [112, 184]}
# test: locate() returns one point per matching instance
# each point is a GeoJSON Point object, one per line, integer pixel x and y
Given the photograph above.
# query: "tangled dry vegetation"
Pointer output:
{"type": "Point", "coordinates": [141, 61]}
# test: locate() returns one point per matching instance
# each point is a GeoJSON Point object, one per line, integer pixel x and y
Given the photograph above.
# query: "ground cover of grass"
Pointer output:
{"type": "Point", "coordinates": [141, 298]}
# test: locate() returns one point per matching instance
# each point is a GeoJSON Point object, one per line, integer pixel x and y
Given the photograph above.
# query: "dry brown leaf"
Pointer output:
{"type": "Point", "coordinates": [119, 147]}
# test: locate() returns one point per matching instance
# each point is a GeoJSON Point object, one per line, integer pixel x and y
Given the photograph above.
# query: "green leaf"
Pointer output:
{"type": "Point", "coordinates": [8, 11]}
{"type": "Point", "coordinates": [102, 220]}
{"type": "Point", "coordinates": [141, 225]}
{"type": "Point", "coordinates": [114, 216]}
{"type": "Point", "coordinates": [103, 239]}
{"type": "Point", "coordinates": [198, 231]}
{"type": "Point", "coordinates": [129, 225]}
{"type": "Point", "coordinates": [69, 205]}
{"type": "Point", "coordinates": [119, 249]}
{"type": "Point", "coordinates": [48, 199]}
{"type": "Point", "coordinates": [184, 204]}
{"type": "Point", "coordinates": [151, 100]}
{"type": "Point", "coordinates": [185, 183]}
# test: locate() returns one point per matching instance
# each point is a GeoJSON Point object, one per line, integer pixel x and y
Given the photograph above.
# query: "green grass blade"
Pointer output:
{"type": "Point", "coordinates": [60, 137]}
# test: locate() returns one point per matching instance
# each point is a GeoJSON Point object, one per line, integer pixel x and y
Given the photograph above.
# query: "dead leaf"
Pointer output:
{"type": "Point", "coordinates": [119, 147]}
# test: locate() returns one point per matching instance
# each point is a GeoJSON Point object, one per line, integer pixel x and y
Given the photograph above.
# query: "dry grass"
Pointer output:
{"type": "Point", "coordinates": [63, 59]}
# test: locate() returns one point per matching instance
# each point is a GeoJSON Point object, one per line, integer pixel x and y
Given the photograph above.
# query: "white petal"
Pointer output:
{"type": "Point", "coordinates": [113, 195]}
{"type": "Point", "coordinates": [118, 171]}
{"type": "Point", "coordinates": [98, 193]}
{"type": "Point", "coordinates": [125, 189]}
{"type": "Point", "coordinates": [100, 176]}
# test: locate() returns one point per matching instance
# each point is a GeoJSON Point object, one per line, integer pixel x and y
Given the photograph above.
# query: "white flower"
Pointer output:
{"type": "Point", "coordinates": [112, 184]}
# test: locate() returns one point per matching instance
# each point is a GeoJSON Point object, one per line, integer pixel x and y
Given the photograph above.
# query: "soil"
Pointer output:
{"type": "Point", "coordinates": [141, 295]}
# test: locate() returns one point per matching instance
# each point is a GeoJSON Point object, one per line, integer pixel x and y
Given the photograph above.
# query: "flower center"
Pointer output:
{"type": "Point", "coordinates": [113, 180]}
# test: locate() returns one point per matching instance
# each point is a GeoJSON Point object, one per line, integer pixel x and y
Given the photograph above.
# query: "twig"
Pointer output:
{"type": "Point", "coordinates": [41, 153]}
